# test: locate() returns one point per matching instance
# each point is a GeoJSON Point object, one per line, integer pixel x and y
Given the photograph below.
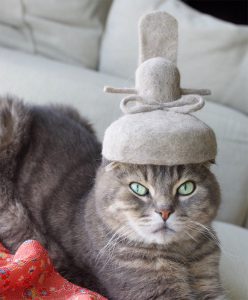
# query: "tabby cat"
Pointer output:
{"type": "Point", "coordinates": [125, 231]}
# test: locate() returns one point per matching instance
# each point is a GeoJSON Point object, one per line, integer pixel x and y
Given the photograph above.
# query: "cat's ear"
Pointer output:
{"type": "Point", "coordinates": [108, 165]}
{"type": "Point", "coordinates": [111, 166]}
{"type": "Point", "coordinates": [209, 163]}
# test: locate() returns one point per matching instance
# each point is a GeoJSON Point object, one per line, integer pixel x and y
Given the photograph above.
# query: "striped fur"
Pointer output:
{"type": "Point", "coordinates": [48, 160]}
{"type": "Point", "coordinates": [134, 261]}
{"type": "Point", "coordinates": [99, 233]}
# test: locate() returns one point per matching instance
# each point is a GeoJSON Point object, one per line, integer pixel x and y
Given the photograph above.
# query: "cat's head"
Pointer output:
{"type": "Point", "coordinates": [156, 204]}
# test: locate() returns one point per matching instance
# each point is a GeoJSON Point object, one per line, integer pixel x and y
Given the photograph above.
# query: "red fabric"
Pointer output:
{"type": "Point", "coordinates": [29, 274]}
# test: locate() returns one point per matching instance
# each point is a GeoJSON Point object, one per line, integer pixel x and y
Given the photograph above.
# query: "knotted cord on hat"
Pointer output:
{"type": "Point", "coordinates": [136, 104]}
{"type": "Point", "coordinates": [184, 105]}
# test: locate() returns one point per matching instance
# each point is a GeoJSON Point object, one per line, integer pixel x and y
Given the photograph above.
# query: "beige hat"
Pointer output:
{"type": "Point", "coordinates": [157, 127]}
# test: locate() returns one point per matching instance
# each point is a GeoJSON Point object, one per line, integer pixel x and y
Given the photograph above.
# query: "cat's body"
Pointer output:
{"type": "Point", "coordinates": [48, 160]}
{"type": "Point", "coordinates": [100, 234]}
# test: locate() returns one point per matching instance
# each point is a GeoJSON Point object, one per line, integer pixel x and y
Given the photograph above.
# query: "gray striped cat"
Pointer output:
{"type": "Point", "coordinates": [125, 231]}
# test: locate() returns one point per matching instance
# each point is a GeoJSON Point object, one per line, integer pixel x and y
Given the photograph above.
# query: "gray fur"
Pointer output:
{"type": "Point", "coordinates": [102, 235]}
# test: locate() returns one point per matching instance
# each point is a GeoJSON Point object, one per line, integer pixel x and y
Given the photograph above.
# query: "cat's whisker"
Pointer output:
{"type": "Point", "coordinates": [207, 230]}
{"type": "Point", "coordinates": [214, 238]}
{"type": "Point", "coordinates": [202, 231]}
{"type": "Point", "coordinates": [112, 249]}
{"type": "Point", "coordinates": [117, 235]}
{"type": "Point", "coordinates": [191, 236]}
{"type": "Point", "coordinates": [106, 246]}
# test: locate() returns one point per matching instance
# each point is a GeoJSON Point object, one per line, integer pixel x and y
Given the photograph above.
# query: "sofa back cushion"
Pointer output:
{"type": "Point", "coordinates": [69, 31]}
{"type": "Point", "coordinates": [212, 53]}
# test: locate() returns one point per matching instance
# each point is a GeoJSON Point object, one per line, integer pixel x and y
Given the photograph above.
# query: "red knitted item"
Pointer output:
{"type": "Point", "coordinates": [29, 274]}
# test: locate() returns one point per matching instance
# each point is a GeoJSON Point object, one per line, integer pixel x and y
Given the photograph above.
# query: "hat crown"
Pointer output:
{"type": "Point", "coordinates": [158, 81]}
{"type": "Point", "coordinates": [157, 126]}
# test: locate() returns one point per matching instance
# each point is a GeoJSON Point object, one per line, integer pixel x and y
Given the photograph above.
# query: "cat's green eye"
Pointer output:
{"type": "Point", "coordinates": [186, 188]}
{"type": "Point", "coordinates": [138, 189]}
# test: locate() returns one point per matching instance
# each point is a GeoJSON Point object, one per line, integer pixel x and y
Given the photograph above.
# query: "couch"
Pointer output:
{"type": "Point", "coordinates": [66, 51]}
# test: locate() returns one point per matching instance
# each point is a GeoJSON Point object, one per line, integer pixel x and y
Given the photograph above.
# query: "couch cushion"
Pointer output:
{"type": "Point", "coordinates": [231, 128]}
{"type": "Point", "coordinates": [234, 262]}
{"type": "Point", "coordinates": [40, 80]}
{"type": "Point", "coordinates": [212, 53]}
{"type": "Point", "coordinates": [69, 31]}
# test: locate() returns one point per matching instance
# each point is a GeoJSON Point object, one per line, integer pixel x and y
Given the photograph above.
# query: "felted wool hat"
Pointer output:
{"type": "Point", "coordinates": [157, 127]}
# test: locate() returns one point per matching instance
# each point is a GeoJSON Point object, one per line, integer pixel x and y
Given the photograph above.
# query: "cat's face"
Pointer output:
{"type": "Point", "coordinates": [157, 204]}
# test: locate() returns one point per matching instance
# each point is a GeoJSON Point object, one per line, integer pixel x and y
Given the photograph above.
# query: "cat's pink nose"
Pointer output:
{"type": "Point", "coordinates": [165, 214]}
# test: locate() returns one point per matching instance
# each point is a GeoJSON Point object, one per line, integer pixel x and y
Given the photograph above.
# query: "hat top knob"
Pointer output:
{"type": "Point", "coordinates": [157, 78]}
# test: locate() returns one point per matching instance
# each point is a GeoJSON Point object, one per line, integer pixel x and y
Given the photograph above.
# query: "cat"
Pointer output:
{"type": "Point", "coordinates": [126, 231]}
